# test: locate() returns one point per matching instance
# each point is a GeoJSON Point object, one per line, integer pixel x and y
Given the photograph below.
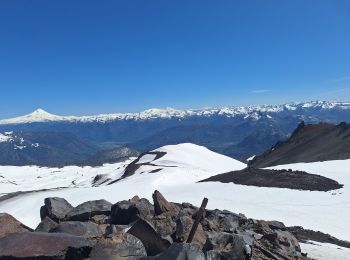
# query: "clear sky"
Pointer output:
{"type": "Point", "coordinates": [88, 57]}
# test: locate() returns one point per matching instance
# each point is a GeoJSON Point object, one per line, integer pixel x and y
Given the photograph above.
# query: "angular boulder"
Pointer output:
{"type": "Point", "coordinates": [83, 229]}
{"type": "Point", "coordinates": [126, 247]}
{"type": "Point", "coordinates": [46, 225]}
{"type": "Point", "coordinates": [161, 205]}
{"type": "Point", "coordinates": [226, 246]}
{"type": "Point", "coordinates": [9, 225]}
{"type": "Point", "coordinates": [152, 241]}
{"type": "Point", "coordinates": [126, 212]}
{"type": "Point", "coordinates": [39, 245]}
{"type": "Point", "coordinates": [89, 209]}
{"type": "Point", "coordinates": [55, 208]}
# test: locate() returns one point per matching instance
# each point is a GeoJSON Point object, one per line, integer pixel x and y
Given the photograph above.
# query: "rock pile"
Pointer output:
{"type": "Point", "coordinates": [136, 229]}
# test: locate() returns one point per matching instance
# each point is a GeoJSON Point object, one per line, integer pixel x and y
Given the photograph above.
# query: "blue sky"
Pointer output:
{"type": "Point", "coordinates": [87, 57]}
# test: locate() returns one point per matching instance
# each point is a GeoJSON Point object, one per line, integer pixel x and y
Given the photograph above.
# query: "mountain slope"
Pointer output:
{"type": "Point", "coordinates": [42, 148]}
{"type": "Point", "coordinates": [239, 132]}
{"type": "Point", "coordinates": [312, 210]}
{"type": "Point", "coordinates": [309, 143]}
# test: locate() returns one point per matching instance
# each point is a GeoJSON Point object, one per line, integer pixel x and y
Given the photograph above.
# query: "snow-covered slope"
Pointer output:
{"type": "Point", "coordinates": [253, 112]}
{"type": "Point", "coordinates": [180, 169]}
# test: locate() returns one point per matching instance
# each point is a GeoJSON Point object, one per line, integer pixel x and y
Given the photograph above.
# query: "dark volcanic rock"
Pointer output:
{"type": "Point", "coordinates": [298, 180]}
{"type": "Point", "coordinates": [303, 235]}
{"type": "Point", "coordinates": [152, 241]}
{"type": "Point", "coordinates": [183, 227]}
{"type": "Point", "coordinates": [126, 247]}
{"type": "Point", "coordinates": [277, 245]}
{"type": "Point", "coordinates": [164, 225]}
{"type": "Point", "coordinates": [181, 251]}
{"type": "Point", "coordinates": [9, 225]}
{"type": "Point", "coordinates": [55, 208]}
{"type": "Point", "coordinates": [86, 210]}
{"type": "Point", "coordinates": [222, 220]}
{"type": "Point", "coordinates": [308, 143]}
{"type": "Point", "coordinates": [46, 225]}
{"type": "Point", "coordinates": [126, 212]}
{"type": "Point", "coordinates": [227, 246]}
{"type": "Point", "coordinates": [83, 229]}
{"type": "Point", "coordinates": [161, 205]}
{"type": "Point", "coordinates": [38, 245]}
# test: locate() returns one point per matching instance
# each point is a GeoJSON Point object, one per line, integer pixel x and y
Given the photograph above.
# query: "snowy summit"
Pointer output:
{"type": "Point", "coordinates": [254, 112]}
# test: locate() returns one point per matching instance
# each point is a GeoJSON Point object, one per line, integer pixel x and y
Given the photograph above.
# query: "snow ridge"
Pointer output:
{"type": "Point", "coordinates": [253, 112]}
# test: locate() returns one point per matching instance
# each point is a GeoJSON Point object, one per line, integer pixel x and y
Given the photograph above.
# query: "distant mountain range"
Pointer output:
{"type": "Point", "coordinates": [308, 143]}
{"type": "Point", "coordinates": [55, 149]}
{"type": "Point", "coordinates": [239, 132]}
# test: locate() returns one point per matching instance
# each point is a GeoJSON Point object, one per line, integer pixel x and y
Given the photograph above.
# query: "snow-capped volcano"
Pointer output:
{"type": "Point", "coordinates": [38, 115]}
{"type": "Point", "coordinates": [253, 112]}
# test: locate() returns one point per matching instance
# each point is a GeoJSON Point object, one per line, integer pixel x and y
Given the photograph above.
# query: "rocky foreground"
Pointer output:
{"type": "Point", "coordinates": [136, 229]}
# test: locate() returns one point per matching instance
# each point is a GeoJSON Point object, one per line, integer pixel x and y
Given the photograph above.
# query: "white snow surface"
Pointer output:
{"type": "Point", "coordinates": [180, 170]}
{"type": "Point", "coordinates": [253, 112]}
{"type": "Point", "coordinates": [325, 251]}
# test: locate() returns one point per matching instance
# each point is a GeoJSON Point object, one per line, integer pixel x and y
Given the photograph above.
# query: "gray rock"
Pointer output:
{"type": "Point", "coordinates": [129, 247]}
{"type": "Point", "coordinates": [228, 246]}
{"type": "Point", "coordinates": [89, 209]}
{"type": "Point", "coordinates": [55, 208]}
{"type": "Point", "coordinates": [126, 212]}
{"type": "Point", "coordinates": [165, 226]}
{"type": "Point", "coordinates": [46, 225]}
{"type": "Point", "coordinates": [152, 241]}
{"type": "Point", "coordinates": [39, 245]}
{"type": "Point", "coordinates": [83, 229]}
{"type": "Point", "coordinates": [180, 251]}
{"type": "Point", "coordinates": [183, 228]}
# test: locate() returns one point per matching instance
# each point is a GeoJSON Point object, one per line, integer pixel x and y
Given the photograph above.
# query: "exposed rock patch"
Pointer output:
{"type": "Point", "coordinates": [303, 235]}
{"type": "Point", "coordinates": [308, 143]}
{"type": "Point", "coordinates": [298, 180]}
{"type": "Point", "coordinates": [136, 229]}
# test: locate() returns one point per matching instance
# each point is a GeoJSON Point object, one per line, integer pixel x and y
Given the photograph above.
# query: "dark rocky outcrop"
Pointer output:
{"type": "Point", "coordinates": [298, 180]}
{"type": "Point", "coordinates": [308, 143]}
{"type": "Point", "coordinates": [38, 245]}
{"type": "Point", "coordinates": [136, 229]}
{"type": "Point", "coordinates": [55, 208]}
{"type": "Point", "coordinates": [304, 235]}
{"type": "Point", "coordinates": [9, 225]}
{"type": "Point", "coordinates": [89, 209]}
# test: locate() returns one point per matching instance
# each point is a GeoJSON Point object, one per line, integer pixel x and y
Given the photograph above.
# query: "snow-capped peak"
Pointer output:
{"type": "Point", "coordinates": [38, 115]}
{"type": "Point", "coordinates": [248, 112]}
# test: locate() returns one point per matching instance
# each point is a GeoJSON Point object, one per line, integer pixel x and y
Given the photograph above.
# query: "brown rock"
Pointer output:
{"type": "Point", "coordinates": [38, 245]}
{"type": "Point", "coordinates": [161, 205]}
{"type": "Point", "coordinates": [9, 225]}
